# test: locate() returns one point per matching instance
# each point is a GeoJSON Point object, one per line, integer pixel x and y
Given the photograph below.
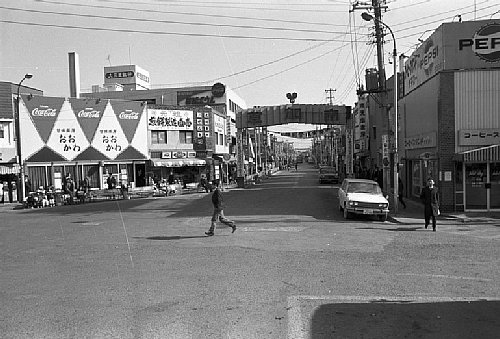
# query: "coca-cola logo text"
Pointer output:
{"type": "Point", "coordinates": [129, 115]}
{"type": "Point", "coordinates": [89, 113]}
{"type": "Point", "coordinates": [43, 111]}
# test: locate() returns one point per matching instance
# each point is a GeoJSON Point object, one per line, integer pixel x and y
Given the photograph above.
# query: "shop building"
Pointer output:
{"type": "Point", "coordinates": [9, 164]}
{"type": "Point", "coordinates": [449, 120]}
{"type": "Point", "coordinates": [83, 137]}
{"type": "Point", "coordinates": [186, 143]}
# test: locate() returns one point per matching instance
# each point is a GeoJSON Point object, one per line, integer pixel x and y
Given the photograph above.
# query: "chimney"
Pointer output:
{"type": "Point", "coordinates": [74, 75]}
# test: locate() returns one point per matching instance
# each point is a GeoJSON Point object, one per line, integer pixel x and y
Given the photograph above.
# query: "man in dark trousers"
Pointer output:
{"type": "Point", "coordinates": [218, 214]}
{"type": "Point", "coordinates": [430, 198]}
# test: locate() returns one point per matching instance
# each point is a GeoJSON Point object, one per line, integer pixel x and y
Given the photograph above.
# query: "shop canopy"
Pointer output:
{"type": "Point", "coordinates": [483, 154]}
{"type": "Point", "coordinates": [179, 162]}
{"type": "Point", "coordinates": [9, 169]}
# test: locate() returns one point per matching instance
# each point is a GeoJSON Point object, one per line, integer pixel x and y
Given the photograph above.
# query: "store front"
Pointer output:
{"type": "Point", "coordinates": [480, 180]}
{"type": "Point", "coordinates": [82, 138]}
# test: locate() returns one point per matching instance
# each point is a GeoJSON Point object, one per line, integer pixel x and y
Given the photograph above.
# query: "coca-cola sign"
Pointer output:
{"type": "Point", "coordinates": [44, 111]}
{"type": "Point", "coordinates": [129, 115]}
{"type": "Point", "coordinates": [89, 113]}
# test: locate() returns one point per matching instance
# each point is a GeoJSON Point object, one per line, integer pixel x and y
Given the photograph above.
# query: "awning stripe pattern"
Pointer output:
{"type": "Point", "coordinates": [483, 154]}
{"type": "Point", "coordinates": [9, 169]}
{"type": "Point", "coordinates": [179, 162]}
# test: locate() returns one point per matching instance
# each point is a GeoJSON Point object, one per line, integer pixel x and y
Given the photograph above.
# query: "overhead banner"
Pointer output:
{"type": "Point", "coordinates": [58, 129]}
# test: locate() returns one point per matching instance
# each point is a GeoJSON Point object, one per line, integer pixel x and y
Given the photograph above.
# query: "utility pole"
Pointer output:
{"type": "Point", "coordinates": [329, 93]}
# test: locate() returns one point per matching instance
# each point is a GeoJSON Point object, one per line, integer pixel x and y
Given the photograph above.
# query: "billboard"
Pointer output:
{"type": "Point", "coordinates": [454, 46]}
{"type": "Point", "coordinates": [171, 120]}
{"type": "Point", "coordinates": [60, 129]}
{"type": "Point", "coordinates": [127, 75]}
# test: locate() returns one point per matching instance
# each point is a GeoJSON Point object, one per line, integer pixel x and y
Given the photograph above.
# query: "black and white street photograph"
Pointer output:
{"type": "Point", "coordinates": [226, 169]}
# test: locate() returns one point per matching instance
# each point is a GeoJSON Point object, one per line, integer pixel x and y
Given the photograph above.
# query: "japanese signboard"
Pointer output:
{"type": "Point", "coordinates": [81, 129]}
{"type": "Point", "coordinates": [165, 119]}
{"type": "Point", "coordinates": [476, 137]}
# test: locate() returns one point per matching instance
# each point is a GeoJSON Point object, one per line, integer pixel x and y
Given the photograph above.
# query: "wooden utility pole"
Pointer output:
{"type": "Point", "coordinates": [329, 93]}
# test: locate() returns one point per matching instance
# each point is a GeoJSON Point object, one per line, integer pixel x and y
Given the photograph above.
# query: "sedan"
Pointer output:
{"type": "Point", "coordinates": [361, 196]}
{"type": "Point", "coordinates": [328, 174]}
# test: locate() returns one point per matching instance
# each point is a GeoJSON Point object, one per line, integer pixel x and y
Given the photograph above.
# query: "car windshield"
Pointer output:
{"type": "Point", "coordinates": [363, 187]}
{"type": "Point", "coordinates": [327, 170]}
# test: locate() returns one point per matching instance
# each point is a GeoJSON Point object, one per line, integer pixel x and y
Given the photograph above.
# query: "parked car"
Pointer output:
{"type": "Point", "coordinates": [328, 174]}
{"type": "Point", "coordinates": [362, 196]}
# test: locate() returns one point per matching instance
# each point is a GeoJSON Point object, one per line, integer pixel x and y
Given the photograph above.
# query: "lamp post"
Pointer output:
{"type": "Point", "coordinates": [369, 17]}
{"type": "Point", "coordinates": [21, 189]}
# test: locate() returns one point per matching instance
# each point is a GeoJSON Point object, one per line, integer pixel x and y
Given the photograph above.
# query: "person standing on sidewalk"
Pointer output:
{"type": "Point", "coordinates": [400, 192]}
{"type": "Point", "coordinates": [218, 202]}
{"type": "Point", "coordinates": [430, 198]}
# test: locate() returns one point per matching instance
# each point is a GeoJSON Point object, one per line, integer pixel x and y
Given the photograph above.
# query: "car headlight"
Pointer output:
{"type": "Point", "coordinates": [382, 205]}
{"type": "Point", "coordinates": [353, 203]}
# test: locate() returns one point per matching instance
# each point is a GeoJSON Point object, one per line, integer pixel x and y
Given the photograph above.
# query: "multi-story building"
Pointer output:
{"type": "Point", "coordinates": [449, 121]}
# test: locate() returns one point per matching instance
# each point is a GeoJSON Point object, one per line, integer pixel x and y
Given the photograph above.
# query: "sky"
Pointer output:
{"type": "Point", "coordinates": [260, 49]}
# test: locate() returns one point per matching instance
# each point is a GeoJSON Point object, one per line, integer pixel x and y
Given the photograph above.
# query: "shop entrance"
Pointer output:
{"type": "Point", "coordinates": [482, 186]}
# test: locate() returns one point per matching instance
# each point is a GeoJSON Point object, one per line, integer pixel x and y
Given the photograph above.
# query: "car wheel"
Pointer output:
{"type": "Point", "coordinates": [382, 217]}
{"type": "Point", "coordinates": [346, 213]}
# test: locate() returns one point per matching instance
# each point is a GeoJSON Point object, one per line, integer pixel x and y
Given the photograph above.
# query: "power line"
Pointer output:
{"type": "Point", "coordinates": [164, 21]}
{"type": "Point", "coordinates": [290, 68]}
{"type": "Point", "coordinates": [126, 30]}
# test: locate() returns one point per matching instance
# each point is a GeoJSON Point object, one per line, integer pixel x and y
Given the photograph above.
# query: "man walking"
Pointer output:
{"type": "Point", "coordinates": [430, 198]}
{"type": "Point", "coordinates": [218, 214]}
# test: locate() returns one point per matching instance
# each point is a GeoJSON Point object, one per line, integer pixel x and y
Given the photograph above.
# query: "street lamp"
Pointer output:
{"type": "Point", "coordinates": [369, 17]}
{"type": "Point", "coordinates": [21, 189]}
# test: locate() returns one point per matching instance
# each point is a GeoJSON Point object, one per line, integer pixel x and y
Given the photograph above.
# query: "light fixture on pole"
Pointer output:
{"type": "Point", "coordinates": [369, 17]}
{"type": "Point", "coordinates": [22, 188]}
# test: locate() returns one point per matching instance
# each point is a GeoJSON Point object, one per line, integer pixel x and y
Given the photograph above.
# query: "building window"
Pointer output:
{"type": "Point", "coordinates": [2, 131]}
{"type": "Point", "coordinates": [158, 137]}
{"type": "Point", "coordinates": [156, 155]}
{"type": "Point", "coordinates": [221, 139]}
{"type": "Point", "coordinates": [186, 137]}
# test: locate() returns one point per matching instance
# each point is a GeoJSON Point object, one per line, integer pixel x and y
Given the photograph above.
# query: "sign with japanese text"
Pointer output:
{"type": "Point", "coordinates": [421, 141]}
{"type": "Point", "coordinates": [81, 129]}
{"type": "Point", "coordinates": [165, 119]}
{"type": "Point", "coordinates": [479, 137]}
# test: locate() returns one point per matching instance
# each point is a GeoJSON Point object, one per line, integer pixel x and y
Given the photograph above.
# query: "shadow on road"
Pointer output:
{"type": "Point", "coordinates": [173, 237]}
{"type": "Point", "coordinates": [399, 229]}
{"type": "Point", "coordinates": [476, 319]}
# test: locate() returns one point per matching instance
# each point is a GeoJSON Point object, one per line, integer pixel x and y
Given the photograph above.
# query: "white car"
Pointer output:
{"type": "Point", "coordinates": [361, 196]}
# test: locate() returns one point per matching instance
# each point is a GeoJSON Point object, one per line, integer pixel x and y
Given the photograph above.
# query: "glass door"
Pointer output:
{"type": "Point", "coordinates": [495, 185]}
{"type": "Point", "coordinates": [475, 186]}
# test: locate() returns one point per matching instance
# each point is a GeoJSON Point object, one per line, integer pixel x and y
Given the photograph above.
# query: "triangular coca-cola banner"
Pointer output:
{"type": "Point", "coordinates": [129, 114]}
{"type": "Point", "coordinates": [88, 112]}
{"type": "Point", "coordinates": [43, 111]}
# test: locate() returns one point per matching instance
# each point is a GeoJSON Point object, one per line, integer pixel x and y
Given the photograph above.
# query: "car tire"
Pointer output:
{"type": "Point", "coordinates": [346, 213]}
{"type": "Point", "coordinates": [382, 217]}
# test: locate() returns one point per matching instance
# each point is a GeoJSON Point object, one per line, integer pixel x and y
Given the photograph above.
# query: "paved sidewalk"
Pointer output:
{"type": "Point", "coordinates": [414, 213]}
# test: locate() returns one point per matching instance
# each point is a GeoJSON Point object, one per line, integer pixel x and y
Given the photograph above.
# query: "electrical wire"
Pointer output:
{"type": "Point", "coordinates": [93, 16]}
{"type": "Point", "coordinates": [126, 30]}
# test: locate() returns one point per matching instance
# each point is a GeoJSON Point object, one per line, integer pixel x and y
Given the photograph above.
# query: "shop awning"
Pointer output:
{"type": "Point", "coordinates": [9, 169]}
{"type": "Point", "coordinates": [483, 154]}
{"type": "Point", "coordinates": [179, 162]}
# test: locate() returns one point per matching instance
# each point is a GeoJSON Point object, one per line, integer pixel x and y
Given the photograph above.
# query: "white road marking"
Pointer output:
{"type": "Point", "coordinates": [444, 276]}
{"type": "Point", "coordinates": [272, 229]}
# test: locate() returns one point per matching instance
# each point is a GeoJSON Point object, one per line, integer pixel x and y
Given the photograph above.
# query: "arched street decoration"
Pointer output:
{"type": "Point", "coordinates": [318, 114]}
{"type": "Point", "coordinates": [255, 118]}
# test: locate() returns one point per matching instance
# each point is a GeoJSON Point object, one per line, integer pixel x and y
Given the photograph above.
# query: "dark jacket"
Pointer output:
{"type": "Point", "coordinates": [217, 199]}
{"type": "Point", "coordinates": [430, 198]}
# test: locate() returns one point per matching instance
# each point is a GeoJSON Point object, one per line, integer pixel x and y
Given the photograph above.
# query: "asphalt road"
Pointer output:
{"type": "Point", "coordinates": [293, 269]}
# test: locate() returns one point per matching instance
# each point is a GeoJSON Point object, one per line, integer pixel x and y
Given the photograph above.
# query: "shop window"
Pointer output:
{"type": "Point", "coordinates": [2, 131]}
{"type": "Point", "coordinates": [158, 137]}
{"type": "Point", "coordinates": [186, 137]}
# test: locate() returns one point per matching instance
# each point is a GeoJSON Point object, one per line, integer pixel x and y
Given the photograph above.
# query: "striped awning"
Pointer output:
{"type": "Point", "coordinates": [179, 162]}
{"type": "Point", "coordinates": [9, 169]}
{"type": "Point", "coordinates": [483, 154]}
